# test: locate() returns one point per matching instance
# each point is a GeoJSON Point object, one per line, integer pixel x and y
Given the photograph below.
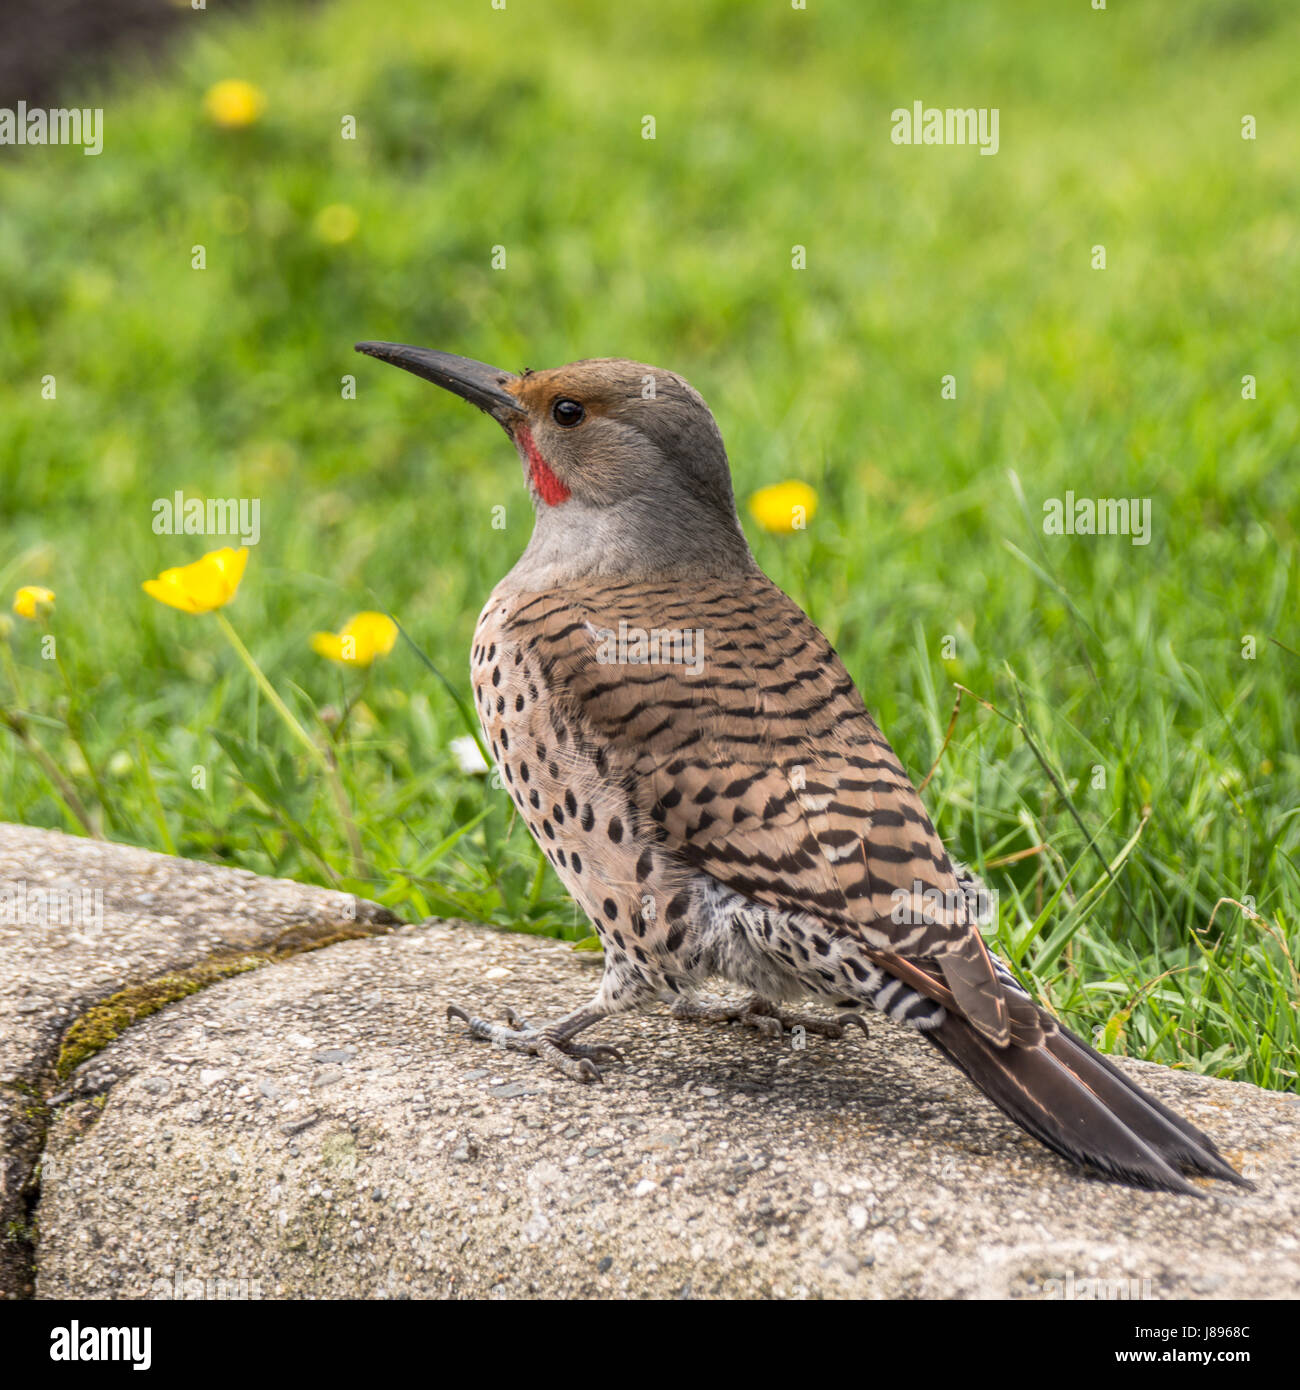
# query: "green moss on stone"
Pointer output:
{"type": "Point", "coordinates": [104, 1022]}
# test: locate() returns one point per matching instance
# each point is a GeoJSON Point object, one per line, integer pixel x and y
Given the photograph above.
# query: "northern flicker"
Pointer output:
{"type": "Point", "coordinates": [699, 768]}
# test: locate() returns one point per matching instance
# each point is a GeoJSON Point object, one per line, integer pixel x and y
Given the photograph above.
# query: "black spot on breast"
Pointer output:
{"type": "Point", "coordinates": [615, 829]}
{"type": "Point", "coordinates": [548, 829]}
{"type": "Point", "coordinates": [496, 675]}
{"type": "Point", "coordinates": [505, 739]}
{"type": "Point", "coordinates": [523, 771]}
{"type": "Point", "coordinates": [556, 814]}
{"type": "Point", "coordinates": [534, 800]}
{"type": "Point", "coordinates": [577, 862]}
{"type": "Point", "coordinates": [610, 908]}
{"type": "Point", "coordinates": [571, 802]}
{"type": "Point", "coordinates": [559, 855]}
{"type": "Point", "coordinates": [588, 817]}
{"type": "Point", "coordinates": [501, 704]}
{"type": "Point", "coordinates": [492, 651]}
{"type": "Point", "coordinates": [541, 752]}
{"type": "Point", "coordinates": [643, 865]}
{"type": "Point", "coordinates": [519, 704]}
{"type": "Point", "coordinates": [678, 903]}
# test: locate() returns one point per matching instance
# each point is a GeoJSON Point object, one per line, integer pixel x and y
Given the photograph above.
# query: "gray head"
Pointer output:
{"type": "Point", "coordinates": [624, 463]}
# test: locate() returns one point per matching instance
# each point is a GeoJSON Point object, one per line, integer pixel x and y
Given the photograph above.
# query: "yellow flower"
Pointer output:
{"type": "Point", "coordinates": [207, 584]}
{"type": "Point", "coordinates": [361, 639]}
{"type": "Point", "coordinates": [784, 507]}
{"type": "Point", "coordinates": [30, 599]}
{"type": "Point", "coordinates": [234, 102]}
{"type": "Point", "coordinates": [337, 223]}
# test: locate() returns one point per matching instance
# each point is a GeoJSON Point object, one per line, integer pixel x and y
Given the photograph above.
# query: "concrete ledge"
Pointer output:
{"type": "Point", "coordinates": [317, 1129]}
{"type": "Point", "coordinates": [81, 920]}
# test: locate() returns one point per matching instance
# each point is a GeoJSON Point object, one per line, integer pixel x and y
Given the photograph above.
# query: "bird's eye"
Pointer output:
{"type": "Point", "coordinates": [567, 413]}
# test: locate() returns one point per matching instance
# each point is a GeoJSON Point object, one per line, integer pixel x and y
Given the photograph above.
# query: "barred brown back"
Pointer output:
{"type": "Point", "coordinates": [756, 761]}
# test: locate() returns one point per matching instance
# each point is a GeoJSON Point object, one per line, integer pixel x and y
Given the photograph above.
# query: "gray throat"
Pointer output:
{"type": "Point", "coordinates": [636, 539]}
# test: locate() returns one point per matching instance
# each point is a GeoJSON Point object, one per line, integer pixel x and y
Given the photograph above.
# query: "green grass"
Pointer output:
{"type": "Point", "coordinates": [479, 128]}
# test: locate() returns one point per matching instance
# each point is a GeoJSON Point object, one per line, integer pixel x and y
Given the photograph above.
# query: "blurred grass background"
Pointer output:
{"type": "Point", "coordinates": [522, 129]}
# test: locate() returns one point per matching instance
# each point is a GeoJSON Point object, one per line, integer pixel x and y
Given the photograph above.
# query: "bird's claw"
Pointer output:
{"type": "Point", "coordinates": [575, 1060]}
{"type": "Point", "coordinates": [767, 1019]}
{"type": "Point", "coordinates": [600, 1052]}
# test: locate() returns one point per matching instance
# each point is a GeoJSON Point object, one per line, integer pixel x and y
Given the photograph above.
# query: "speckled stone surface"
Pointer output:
{"type": "Point", "coordinates": [318, 1129]}
{"type": "Point", "coordinates": [81, 919]}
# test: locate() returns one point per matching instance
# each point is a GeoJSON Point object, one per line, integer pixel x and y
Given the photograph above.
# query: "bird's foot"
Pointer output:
{"type": "Point", "coordinates": [554, 1045]}
{"type": "Point", "coordinates": [768, 1018]}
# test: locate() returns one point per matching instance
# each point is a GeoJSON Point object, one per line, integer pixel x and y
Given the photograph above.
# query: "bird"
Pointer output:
{"type": "Point", "coordinates": [698, 766]}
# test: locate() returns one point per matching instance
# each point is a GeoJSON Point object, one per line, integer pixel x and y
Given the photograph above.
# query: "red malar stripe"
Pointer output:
{"type": "Point", "coordinates": [549, 488]}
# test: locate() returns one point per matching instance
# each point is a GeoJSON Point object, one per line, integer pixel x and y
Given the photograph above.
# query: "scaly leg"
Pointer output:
{"type": "Point", "coordinates": [553, 1043]}
{"type": "Point", "coordinates": [621, 988]}
{"type": "Point", "coordinates": [760, 1013]}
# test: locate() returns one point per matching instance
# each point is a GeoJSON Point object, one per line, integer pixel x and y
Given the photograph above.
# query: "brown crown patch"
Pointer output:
{"type": "Point", "coordinates": [600, 384]}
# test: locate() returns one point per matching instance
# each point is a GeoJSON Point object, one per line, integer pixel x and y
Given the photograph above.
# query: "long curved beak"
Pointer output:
{"type": "Point", "coordinates": [475, 382]}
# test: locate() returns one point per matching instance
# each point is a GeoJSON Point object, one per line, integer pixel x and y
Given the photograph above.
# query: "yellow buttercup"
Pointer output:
{"type": "Point", "coordinates": [234, 103]}
{"type": "Point", "coordinates": [30, 599]}
{"type": "Point", "coordinates": [784, 507]}
{"type": "Point", "coordinates": [360, 641]}
{"type": "Point", "coordinates": [204, 586]}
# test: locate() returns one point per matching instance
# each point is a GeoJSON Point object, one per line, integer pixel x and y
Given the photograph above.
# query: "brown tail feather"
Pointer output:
{"type": "Point", "coordinates": [1186, 1144]}
{"type": "Point", "coordinates": [1084, 1108]}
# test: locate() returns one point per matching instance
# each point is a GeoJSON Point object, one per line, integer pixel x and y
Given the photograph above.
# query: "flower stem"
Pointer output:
{"type": "Point", "coordinates": [73, 725]}
{"type": "Point", "coordinates": [269, 691]}
{"type": "Point", "coordinates": [327, 763]}
{"type": "Point", "coordinates": [12, 671]}
{"type": "Point", "coordinates": [17, 726]}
